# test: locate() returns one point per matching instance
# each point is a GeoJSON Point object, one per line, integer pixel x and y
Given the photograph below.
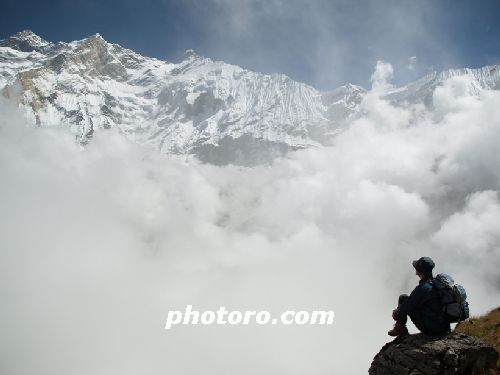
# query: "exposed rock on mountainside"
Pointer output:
{"type": "Point", "coordinates": [219, 112]}
{"type": "Point", "coordinates": [419, 354]}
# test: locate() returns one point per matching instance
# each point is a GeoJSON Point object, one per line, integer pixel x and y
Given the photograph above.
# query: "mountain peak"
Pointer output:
{"type": "Point", "coordinates": [25, 41]}
{"type": "Point", "coordinates": [29, 35]}
{"type": "Point", "coordinates": [96, 36]}
{"type": "Point", "coordinates": [352, 87]}
{"type": "Point", "coordinates": [191, 55]}
{"type": "Point", "coordinates": [24, 33]}
{"type": "Point", "coordinates": [94, 41]}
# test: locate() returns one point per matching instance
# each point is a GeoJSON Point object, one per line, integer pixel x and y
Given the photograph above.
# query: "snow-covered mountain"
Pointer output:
{"type": "Point", "coordinates": [487, 77]}
{"type": "Point", "coordinates": [219, 112]}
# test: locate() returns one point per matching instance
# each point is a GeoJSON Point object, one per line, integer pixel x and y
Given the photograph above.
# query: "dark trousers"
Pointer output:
{"type": "Point", "coordinates": [415, 316]}
{"type": "Point", "coordinates": [423, 323]}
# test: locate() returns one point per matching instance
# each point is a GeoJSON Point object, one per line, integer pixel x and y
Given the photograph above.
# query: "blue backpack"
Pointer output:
{"type": "Point", "coordinates": [453, 298]}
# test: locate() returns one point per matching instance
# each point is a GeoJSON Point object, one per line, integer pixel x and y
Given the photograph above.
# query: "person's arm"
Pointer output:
{"type": "Point", "coordinates": [415, 299]}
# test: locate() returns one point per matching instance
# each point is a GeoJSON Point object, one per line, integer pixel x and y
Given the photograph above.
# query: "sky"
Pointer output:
{"type": "Point", "coordinates": [323, 43]}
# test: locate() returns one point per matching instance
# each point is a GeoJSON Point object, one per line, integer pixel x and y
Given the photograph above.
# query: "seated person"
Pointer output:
{"type": "Point", "coordinates": [423, 305]}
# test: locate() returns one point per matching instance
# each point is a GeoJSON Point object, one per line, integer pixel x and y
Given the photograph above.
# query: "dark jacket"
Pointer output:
{"type": "Point", "coordinates": [425, 309]}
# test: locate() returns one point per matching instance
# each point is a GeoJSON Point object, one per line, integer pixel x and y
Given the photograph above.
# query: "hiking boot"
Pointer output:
{"type": "Point", "coordinates": [398, 330]}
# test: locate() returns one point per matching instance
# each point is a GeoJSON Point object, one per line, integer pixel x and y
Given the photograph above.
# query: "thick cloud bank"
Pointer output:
{"type": "Point", "coordinates": [98, 244]}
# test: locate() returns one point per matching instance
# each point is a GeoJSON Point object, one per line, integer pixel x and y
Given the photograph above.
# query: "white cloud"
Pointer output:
{"type": "Point", "coordinates": [412, 62]}
{"type": "Point", "coordinates": [381, 77]}
{"type": "Point", "coordinates": [98, 244]}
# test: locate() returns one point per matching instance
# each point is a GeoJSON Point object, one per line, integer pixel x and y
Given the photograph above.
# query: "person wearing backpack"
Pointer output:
{"type": "Point", "coordinates": [424, 305]}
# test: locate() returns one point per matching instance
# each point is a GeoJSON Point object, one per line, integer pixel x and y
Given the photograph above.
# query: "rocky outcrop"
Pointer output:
{"type": "Point", "coordinates": [419, 354]}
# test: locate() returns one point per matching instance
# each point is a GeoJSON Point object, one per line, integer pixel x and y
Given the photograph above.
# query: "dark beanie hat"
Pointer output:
{"type": "Point", "coordinates": [424, 265]}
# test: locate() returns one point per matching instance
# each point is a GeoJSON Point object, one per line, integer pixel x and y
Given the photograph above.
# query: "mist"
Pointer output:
{"type": "Point", "coordinates": [99, 243]}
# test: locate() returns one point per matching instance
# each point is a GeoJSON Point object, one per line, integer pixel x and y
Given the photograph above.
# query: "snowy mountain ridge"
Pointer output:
{"type": "Point", "coordinates": [219, 112]}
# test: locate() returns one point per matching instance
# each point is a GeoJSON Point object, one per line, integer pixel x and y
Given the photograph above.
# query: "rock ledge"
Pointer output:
{"type": "Point", "coordinates": [419, 354]}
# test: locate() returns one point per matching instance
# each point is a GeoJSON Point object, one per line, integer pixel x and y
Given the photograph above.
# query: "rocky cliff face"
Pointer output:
{"type": "Point", "coordinates": [216, 111]}
{"type": "Point", "coordinates": [425, 355]}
